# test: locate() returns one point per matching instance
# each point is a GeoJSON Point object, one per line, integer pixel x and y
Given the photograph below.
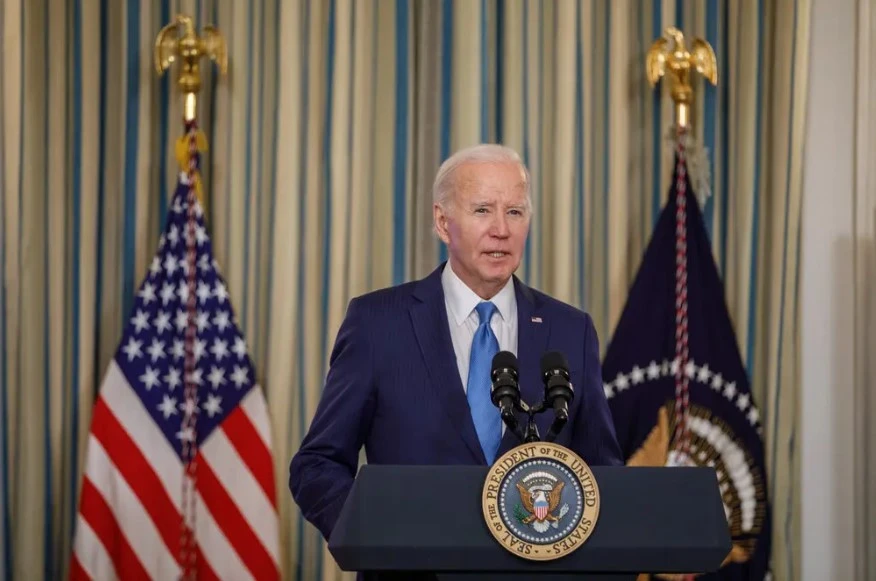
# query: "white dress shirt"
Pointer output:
{"type": "Point", "coordinates": [461, 301]}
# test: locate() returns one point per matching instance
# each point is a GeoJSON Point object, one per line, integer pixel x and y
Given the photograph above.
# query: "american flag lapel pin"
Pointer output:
{"type": "Point", "coordinates": [536, 319]}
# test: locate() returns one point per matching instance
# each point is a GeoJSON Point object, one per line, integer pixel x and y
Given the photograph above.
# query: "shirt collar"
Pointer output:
{"type": "Point", "coordinates": [461, 300]}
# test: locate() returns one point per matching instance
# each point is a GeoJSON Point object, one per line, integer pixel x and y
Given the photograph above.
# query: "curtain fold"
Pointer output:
{"type": "Point", "coordinates": [324, 139]}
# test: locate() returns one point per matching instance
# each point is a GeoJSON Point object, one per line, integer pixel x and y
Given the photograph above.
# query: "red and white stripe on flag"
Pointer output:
{"type": "Point", "coordinates": [130, 516]}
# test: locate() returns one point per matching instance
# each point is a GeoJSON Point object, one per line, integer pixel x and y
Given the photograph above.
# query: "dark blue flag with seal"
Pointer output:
{"type": "Point", "coordinates": [675, 382]}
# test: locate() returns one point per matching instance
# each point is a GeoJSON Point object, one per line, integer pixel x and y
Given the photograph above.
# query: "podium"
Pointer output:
{"type": "Point", "coordinates": [427, 522]}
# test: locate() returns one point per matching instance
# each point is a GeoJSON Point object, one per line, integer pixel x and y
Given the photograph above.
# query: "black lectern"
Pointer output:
{"type": "Point", "coordinates": [426, 522]}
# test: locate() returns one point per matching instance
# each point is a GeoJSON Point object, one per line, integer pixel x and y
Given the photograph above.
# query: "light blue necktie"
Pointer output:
{"type": "Point", "coordinates": [487, 421]}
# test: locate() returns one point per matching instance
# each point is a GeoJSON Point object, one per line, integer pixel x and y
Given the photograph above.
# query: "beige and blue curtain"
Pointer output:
{"type": "Point", "coordinates": [324, 138]}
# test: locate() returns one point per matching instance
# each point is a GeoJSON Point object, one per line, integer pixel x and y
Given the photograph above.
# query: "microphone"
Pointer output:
{"type": "Point", "coordinates": [505, 389]}
{"type": "Point", "coordinates": [558, 390]}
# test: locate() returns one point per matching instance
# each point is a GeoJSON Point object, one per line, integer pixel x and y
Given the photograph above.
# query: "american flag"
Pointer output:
{"type": "Point", "coordinates": [179, 479]}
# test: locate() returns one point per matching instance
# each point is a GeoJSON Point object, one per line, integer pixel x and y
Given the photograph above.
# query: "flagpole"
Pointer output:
{"type": "Point", "coordinates": [669, 57]}
{"type": "Point", "coordinates": [177, 41]}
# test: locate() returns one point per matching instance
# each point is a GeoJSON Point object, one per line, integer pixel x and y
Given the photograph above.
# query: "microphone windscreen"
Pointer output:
{"type": "Point", "coordinates": [554, 360]}
{"type": "Point", "coordinates": [505, 359]}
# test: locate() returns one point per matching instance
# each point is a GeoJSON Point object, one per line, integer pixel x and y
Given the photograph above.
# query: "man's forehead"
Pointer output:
{"type": "Point", "coordinates": [486, 199]}
{"type": "Point", "coordinates": [484, 184]}
{"type": "Point", "coordinates": [484, 195]}
{"type": "Point", "coordinates": [490, 170]}
{"type": "Point", "coordinates": [483, 187]}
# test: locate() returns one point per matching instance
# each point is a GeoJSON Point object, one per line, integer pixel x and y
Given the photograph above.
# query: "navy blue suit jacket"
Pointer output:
{"type": "Point", "coordinates": [393, 386]}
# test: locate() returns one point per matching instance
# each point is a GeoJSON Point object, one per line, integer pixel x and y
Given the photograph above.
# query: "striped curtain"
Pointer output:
{"type": "Point", "coordinates": [324, 138]}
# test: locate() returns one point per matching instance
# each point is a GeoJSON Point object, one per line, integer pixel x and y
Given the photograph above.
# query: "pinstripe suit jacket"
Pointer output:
{"type": "Point", "coordinates": [394, 387]}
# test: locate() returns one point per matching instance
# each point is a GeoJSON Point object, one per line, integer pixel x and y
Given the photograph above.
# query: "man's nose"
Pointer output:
{"type": "Point", "coordinates": [500, 226]}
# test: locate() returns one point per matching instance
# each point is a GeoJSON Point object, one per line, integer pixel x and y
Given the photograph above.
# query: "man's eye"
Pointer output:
{"type": "Point", "coordinates": [480, 210]}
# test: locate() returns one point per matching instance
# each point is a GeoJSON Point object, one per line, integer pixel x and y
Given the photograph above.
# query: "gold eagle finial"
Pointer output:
{"type": "Point", "coordinates": [178, 41]}
{"type": "Point", "coordinates": [668, 56]}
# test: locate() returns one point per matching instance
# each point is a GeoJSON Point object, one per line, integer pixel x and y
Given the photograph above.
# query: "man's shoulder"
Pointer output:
{"type": "Point", "coordinates": [385, 299]}
{"type": "Point", "coordinates": [399, 297]}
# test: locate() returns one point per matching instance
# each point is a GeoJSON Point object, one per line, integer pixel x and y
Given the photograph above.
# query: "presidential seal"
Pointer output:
{"type": "Point", "coordinates": [540, 501]}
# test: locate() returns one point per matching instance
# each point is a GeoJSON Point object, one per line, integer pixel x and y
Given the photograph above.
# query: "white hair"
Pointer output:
{"type": "Point", "coordinates": [445, 182]}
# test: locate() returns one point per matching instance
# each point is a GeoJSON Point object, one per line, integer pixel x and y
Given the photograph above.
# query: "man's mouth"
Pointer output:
{"type": "Point", "coordinates": [497, 254]}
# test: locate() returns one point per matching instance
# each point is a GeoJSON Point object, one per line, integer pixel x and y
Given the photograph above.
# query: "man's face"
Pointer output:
{"type": "Point", "coordinates": [485, 224]}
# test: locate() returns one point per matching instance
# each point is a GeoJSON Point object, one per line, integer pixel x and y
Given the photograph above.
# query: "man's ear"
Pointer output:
{"type": "Point", "coordinates": [440, 222]}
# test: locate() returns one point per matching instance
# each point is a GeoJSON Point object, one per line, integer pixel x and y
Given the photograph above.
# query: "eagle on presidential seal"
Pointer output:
{"type": "Point", "coordinates": [540, 494]}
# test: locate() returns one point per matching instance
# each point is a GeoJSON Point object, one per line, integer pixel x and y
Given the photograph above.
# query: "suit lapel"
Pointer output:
{"type": "Point", "coordinates": [429, 318]}
{"type": "Point", "coordinates": [533, 329]}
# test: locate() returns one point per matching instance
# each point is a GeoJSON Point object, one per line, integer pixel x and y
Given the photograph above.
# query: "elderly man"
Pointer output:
{"type": "Point", "coordinates": [409, 375]}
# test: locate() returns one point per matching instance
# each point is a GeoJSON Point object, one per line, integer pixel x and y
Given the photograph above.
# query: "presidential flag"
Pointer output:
{"type": "Point", "coordinates": [179, 479]}
{"type": "Point", "coordinates": [675, 382]}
